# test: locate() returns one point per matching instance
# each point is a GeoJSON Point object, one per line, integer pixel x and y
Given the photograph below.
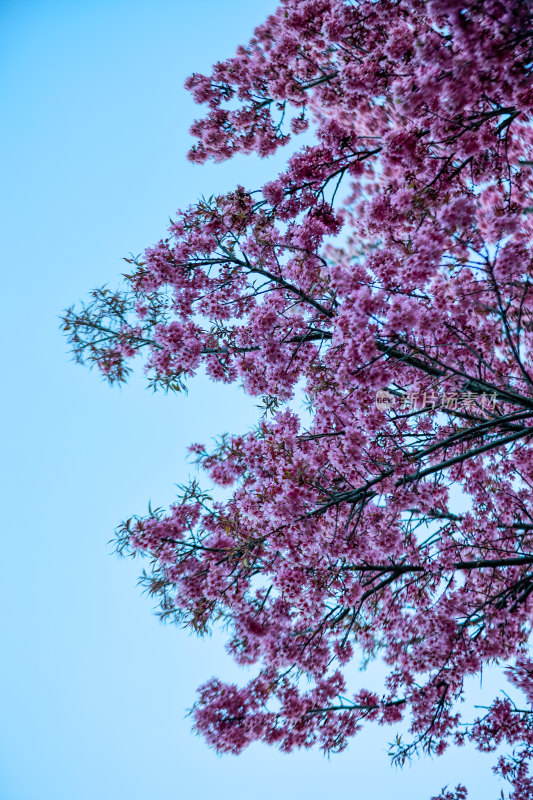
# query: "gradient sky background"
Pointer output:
{"type": "Point", "coordinates": [95, 690]}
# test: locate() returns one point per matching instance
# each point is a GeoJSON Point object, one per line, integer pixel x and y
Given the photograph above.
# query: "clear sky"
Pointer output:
{"type": "Point", "coordinates": [94, 689]}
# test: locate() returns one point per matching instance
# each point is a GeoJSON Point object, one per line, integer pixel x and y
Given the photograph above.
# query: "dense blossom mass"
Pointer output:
{"type": "Point", "coordinates": [387, 275]}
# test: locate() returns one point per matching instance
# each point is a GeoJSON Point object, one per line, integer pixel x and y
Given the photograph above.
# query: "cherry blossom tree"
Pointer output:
{"type": "Point", "coordinates": [387, 276]}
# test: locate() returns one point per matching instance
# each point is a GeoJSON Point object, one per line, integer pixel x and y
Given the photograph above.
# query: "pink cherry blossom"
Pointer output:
{"type": "Point", "coordinates": [392, 255]}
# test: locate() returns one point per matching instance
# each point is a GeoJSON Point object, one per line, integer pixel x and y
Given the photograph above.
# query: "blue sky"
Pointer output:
{"type": "Point", "coordinates": [95, 689]}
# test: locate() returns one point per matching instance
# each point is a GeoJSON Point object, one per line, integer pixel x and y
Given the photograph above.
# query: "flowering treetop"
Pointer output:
{"type": "Point", "coordinates": [393, 257]}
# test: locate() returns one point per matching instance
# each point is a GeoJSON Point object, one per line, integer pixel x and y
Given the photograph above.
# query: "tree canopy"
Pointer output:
{"type": "Point", "coordinates": [387, 275]}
